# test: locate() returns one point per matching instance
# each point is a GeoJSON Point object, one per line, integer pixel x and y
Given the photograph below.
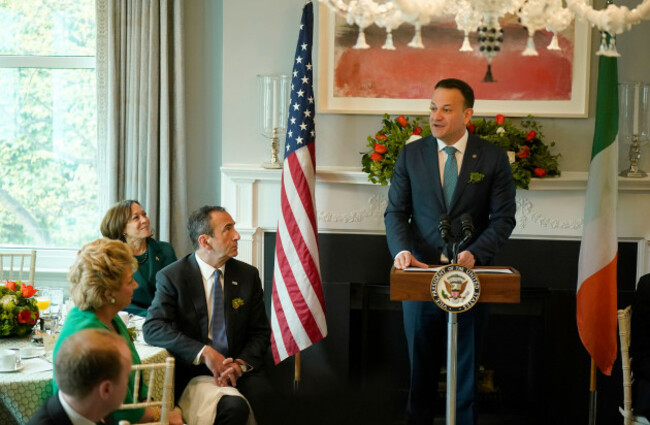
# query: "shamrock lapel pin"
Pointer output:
{"type": "Point", "coordinates": [237, 302]}
{"type": "Point", "coordinates": [476, 177]}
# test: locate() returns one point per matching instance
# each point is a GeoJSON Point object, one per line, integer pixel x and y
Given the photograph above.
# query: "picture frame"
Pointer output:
{"type": "Point", "coordinates": [570, 103]}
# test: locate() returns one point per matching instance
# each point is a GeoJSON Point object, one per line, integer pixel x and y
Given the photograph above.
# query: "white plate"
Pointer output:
{"type": "Point", "coordinates": [16, 369]}
{"type": "Point", "coordinates": [33, 356]}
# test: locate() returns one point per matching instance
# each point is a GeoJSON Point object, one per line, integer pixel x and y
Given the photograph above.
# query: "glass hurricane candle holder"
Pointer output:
{"type": "Point", "coordinates": [274, 93]}
{"type": "Point", "coordinates": [634, 123]}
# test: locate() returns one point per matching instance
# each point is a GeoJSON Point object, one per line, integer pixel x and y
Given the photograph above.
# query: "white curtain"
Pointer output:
{"type": "Point", "coordinates": [141, 122]}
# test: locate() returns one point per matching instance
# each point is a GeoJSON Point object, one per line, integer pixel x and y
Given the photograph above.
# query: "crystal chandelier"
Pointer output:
{"type": "Point", "coordinates": [483, 16]}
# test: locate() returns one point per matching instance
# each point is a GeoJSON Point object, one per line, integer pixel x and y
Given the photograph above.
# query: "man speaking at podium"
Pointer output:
{"type": "Point", "coordinates": [431, 182]}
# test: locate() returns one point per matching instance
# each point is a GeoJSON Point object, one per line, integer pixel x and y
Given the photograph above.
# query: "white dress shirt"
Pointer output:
{"type": "Point", "coordinates": [75, 417]}
{"type": "Point", "coordinates": [461, 147]}
{"type": "Point", "coordinates": [207, 274]}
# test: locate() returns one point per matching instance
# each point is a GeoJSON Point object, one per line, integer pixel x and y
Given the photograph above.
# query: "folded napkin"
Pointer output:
{"type": "Point", "coordinates": [200, 398]}
{"type": "Point", "coordinates": [35, 365]}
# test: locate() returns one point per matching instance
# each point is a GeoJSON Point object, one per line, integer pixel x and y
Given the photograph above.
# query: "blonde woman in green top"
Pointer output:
{"type": "Point", "coordinates": [102, 284]}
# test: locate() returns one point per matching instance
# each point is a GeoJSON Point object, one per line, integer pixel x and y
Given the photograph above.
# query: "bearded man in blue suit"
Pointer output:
{"type": "Point", "coordinates": [479, 182]}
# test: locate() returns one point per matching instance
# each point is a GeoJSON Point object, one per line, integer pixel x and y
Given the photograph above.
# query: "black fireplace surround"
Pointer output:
{"type": "Point", "coordinates": [540, 370]}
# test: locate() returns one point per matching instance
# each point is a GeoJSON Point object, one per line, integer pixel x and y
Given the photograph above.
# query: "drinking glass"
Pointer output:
{"type": "Point", "coordinates": [50, 303]}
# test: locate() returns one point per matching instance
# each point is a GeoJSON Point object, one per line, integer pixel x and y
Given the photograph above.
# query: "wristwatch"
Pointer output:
{"type": "Point", "coordinates": [243, 368]}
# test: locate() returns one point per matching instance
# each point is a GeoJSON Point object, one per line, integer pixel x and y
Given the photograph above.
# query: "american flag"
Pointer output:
{"type": "Point", "coordinates": [297, 303]}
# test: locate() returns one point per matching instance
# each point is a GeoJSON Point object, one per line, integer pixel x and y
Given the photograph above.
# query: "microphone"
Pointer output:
{"type": "Point", "coordinates": [467, 227]}
{"type": "Point", "coordinates": [445, 228]}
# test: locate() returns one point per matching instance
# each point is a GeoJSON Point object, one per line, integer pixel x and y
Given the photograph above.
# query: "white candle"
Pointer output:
{"type": "Point", "coordinates": [274, 103]}
{"type": "Point", "coordinates": [635, 123]}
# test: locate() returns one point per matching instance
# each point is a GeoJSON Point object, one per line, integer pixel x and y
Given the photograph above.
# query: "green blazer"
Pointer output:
{"type": "Point", "coordinates": [159, 255]}
{"type": "Point", "coordinates": [78, 320]}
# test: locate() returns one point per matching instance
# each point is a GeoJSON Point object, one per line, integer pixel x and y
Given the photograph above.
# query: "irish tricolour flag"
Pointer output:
{"type": "Point", "coordinates": [596, 294]}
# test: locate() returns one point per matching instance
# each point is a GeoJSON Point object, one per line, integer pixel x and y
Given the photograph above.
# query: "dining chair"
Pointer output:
{"type": "Point", "coordinates": [166, 403]}
{"type": "Point", "coordinates": [629, 418]}
{"type": "Point", "coordinates": [14, 266]}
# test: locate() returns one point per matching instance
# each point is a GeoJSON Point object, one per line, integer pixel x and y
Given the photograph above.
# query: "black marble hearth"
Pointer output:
{"type": "Point", "coordinates": [359, 374]}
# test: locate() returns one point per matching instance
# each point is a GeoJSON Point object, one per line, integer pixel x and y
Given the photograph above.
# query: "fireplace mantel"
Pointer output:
{"type": "Point", "coordinates": [347, 202]}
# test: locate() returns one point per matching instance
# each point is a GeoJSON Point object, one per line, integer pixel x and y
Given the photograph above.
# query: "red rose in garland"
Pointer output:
{"type": "Point", "coordinates": [10, 285]}
{"type": "Point", "coordinates": [401, 120]}
{"type": "Point", "coordinates": [25, 316]}
{"type": "Point", "coordinates": [27, 290]}
{"type": "Point", "coordinates": [380, 136]}
{"type": "Point", "coordinates": [379, 148]}
{"type": "Point", "coordinates": [531, 135]}
{"type": "Point", "coordinates": [375, 156]}
{"type": "Point", "coordinates": [417, 130]}
{"type": "Point", "coordinates": [471, 128]}
{"type": "Point", "coordinates": [500, 119]}
{"type": "Point", "coordinates": [539, 172]}
{"type": "Point", "coordinates": [524, 152]}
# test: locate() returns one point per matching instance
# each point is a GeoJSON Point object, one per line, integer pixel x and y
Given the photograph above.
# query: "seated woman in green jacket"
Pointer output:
{"type": "Point", "coordinates": [127, 221]}
{"type": "Point", "coordinates": [101, 284]}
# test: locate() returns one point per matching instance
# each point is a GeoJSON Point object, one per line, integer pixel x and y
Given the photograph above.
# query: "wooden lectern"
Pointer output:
{"type": "Point", "coordinates": [495, 287]}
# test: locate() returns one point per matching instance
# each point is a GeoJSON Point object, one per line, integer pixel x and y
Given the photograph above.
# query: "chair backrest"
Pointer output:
{"type": "Point", "coordinates": [624, 326]}
{"type": "Point", "coordinates": [624, 318]}
{"type": "Point", "coordinates": [14, 266]}
{"type": "Point", "coordinates": [149, 371]}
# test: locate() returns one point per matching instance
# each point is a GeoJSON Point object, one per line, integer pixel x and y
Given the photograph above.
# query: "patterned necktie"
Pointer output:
{"type": "Point", "coordinates": [450, 175]}
{"type": "Point", "coordinates": [219, 339]}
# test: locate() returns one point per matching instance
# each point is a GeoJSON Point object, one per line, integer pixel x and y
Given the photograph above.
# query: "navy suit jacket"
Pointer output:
{"type": "Point", "coordinates": [52, 413]}
{"type": "Point", "coordinates": [178, 317]}
{"type": "Point", "coordinates": [416, 200]}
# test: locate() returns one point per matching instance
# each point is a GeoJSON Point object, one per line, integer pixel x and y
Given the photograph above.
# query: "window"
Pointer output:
{"type": "Point", "coordinates": [48, 125]}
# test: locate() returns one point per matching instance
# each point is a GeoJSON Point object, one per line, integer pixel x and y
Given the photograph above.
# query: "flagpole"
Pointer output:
{"type": "Point", "coordinates": [296, 373]}
{"type": "Point", "coordinates": [592, 394]}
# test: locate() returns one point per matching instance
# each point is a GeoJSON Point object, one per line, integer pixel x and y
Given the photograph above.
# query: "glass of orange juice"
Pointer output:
{"type": "Point", "coordinates": [43, 303]}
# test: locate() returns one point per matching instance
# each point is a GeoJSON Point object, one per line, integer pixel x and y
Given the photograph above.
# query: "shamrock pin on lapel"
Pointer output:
{"type": "Point", "coordinates": [237, 302]}
{"type": "Point", "coordinates": [476, 177]}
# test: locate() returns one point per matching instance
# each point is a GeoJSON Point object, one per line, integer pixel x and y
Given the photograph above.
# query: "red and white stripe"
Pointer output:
{"type": "Point", "coordinates": [297, 304]}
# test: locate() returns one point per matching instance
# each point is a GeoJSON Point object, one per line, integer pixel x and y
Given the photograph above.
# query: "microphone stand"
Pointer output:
{"type": "Point", "coordinates": [452, 353]}
{"type": "Point", "coordinates": [452, 335]}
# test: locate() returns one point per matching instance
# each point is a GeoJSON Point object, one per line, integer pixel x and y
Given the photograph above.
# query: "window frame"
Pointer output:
{"type": "Point", "coordinates": [52, 263]}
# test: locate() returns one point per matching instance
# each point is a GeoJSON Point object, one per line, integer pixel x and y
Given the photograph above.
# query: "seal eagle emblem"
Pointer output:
{"type": "Point", "coordinates": [455, 288]}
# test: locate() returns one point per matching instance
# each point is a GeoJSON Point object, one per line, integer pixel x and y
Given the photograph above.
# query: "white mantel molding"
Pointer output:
{"type": "Point", "coordinates": [569, 180]}
{"type": "Point", "coordinates": [346, 202]}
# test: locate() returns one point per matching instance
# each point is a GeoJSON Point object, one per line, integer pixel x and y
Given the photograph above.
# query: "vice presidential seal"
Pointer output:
{"type": "Point", "coordinates": [455, 288]}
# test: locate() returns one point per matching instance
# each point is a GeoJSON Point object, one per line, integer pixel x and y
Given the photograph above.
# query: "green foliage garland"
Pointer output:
{"type": "Point", "coordinates": [392, 137]}
{"type": "Point", "coordinates": [529, 156]}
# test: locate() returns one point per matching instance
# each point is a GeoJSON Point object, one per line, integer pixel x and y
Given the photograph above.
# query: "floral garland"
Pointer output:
{"type": "Point", "coordinates": [388, 142]}
{"type": "Point", "coordinates": [529, 156]}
